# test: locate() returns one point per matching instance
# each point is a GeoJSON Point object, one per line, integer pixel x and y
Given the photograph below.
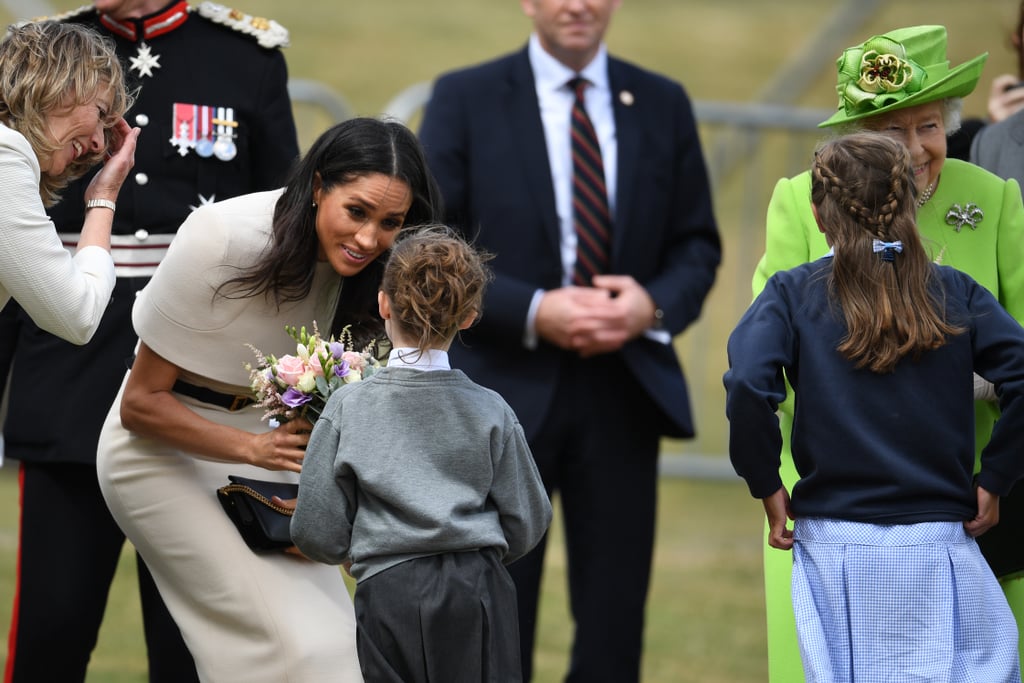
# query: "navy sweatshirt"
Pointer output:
{"type": "Point", "coordinates": [892, 448]}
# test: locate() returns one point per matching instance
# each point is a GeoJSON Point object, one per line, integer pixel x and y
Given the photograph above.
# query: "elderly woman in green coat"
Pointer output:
{"type": "Point", "coordinates": [901, 84]}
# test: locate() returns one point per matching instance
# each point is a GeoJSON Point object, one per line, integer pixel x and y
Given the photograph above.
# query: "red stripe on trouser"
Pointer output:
{"type": "Point", "coordinates": [12, 637]}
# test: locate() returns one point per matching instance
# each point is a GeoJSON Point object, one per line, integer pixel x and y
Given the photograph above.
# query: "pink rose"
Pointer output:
{"type": "Point", "coordinates": [290, 369]}
{"type": "Point", "coordinates": [355, 361]}
{"type": "Point", "coordinates": [315, 366]}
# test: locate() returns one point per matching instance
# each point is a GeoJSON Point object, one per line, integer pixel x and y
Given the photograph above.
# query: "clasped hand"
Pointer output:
{"type": "Point", "coordinates": [598, 319]}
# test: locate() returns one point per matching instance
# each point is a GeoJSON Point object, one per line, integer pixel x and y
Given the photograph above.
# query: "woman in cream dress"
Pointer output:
{"type": "Point", "coordinates": [237, 273]}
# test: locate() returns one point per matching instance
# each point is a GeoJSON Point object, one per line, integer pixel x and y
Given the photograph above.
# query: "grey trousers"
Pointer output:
{"type": "Point", "coordinates": [448, 618]}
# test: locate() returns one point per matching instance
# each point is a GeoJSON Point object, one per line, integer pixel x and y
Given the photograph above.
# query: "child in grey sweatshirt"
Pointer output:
{"type": "Point", "coordinates": [422, 483]}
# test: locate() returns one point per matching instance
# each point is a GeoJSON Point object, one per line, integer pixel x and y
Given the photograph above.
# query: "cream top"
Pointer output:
{"type": "Point", "coordinates": [179, 316]}
{"type": "Point", "coordinates": [64, 294]}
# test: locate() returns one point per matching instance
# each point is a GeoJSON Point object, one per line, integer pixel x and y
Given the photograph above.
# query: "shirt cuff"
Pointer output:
{"type": "Point", "coordinates": [96, 261]}
{"type": "Point", "coordinates": [530, 332]}
{"type": "Point", "coordinates": [660, 336]}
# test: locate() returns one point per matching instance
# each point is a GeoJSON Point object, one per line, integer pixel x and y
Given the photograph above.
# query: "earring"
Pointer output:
{"type": "Point", "coordinates": [314, 205]}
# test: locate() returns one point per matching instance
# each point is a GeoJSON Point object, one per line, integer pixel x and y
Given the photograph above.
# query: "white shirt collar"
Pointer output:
{"type": "Point", "coordinates": [408, 357]}
{"type": "Point", "coordinates": [551, 74]}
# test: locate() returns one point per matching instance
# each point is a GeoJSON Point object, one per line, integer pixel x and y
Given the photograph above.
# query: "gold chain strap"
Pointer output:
{"type": "Point", "coordinates": [253, 493]}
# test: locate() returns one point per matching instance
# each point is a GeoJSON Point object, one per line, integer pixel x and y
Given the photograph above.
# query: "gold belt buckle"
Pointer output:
{"type": "Point", "coordinates": [239, 402]}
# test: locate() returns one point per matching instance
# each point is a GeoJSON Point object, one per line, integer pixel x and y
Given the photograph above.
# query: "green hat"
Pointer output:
{"type": "Point", "coordinates": [900, 69]}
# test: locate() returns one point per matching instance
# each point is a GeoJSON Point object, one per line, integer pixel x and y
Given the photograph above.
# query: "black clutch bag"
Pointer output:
{"type": "Point", "coordinates": [262, 523]}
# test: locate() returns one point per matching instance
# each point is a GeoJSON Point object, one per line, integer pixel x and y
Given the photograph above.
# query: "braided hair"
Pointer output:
{"type": "Point", "coordinates": [863, 191]}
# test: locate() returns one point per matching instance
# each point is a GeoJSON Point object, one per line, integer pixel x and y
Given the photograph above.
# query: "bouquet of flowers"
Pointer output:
{"type": "Point", "coordinates": [299, 385]}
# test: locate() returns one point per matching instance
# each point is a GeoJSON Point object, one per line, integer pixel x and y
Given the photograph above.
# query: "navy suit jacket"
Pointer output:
{"type": "Point", "coordinates": [484, 141]}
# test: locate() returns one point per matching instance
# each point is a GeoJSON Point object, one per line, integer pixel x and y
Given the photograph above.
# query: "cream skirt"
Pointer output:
{"type": "Point", "coordinates": [246, 618]}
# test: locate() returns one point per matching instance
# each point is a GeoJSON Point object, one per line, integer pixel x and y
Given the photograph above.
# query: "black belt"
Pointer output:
{"type": "Point", "coordinates": [230, 401]}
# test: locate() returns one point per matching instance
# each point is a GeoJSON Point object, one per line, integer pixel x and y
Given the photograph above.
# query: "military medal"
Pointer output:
{"type": "Point", "coordinates": [204, 142]}
{"type": "Point", "coordinates": [210, 131]}
{"type": "Point", "coordinates": [224, 148]}
{"type": "Point", "coordinates": [183, 128]}
{"type": "Point", "coordinates": [203, 201]}
{"type": "Point", "coordinates": [144, 60]}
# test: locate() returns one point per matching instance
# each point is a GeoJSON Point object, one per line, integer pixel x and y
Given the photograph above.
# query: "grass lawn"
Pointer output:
{"type": "Point", "coordinates": [705, 615]}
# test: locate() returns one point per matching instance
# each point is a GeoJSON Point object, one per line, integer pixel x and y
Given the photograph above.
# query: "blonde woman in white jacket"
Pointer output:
{"type": "Point", "coordinates": [62, 101]}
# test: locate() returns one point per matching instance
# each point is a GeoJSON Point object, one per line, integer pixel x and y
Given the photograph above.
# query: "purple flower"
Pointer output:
{"type": "Point", "coordinates": [337, 348]}
{"type": "Point", "coordinates": [341, 369]}
{"type": "Point", "coordinates": [293, 398]}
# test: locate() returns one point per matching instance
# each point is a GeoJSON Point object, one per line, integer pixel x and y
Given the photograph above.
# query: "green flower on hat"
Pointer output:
{"type": "Point", "coordinates": [876, 75]}
{"type": "Point", "coordinates": [883, 73]}
{"type": "Point", "coordinates": [902, 68]}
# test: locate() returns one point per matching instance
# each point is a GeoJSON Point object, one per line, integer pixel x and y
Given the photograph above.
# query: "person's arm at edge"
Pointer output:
{"type": "Point", "coordinates": [320, 526]}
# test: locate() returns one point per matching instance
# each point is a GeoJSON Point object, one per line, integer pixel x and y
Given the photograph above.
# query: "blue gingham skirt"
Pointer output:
{"type": "Point", "coordinates": [905, 602]}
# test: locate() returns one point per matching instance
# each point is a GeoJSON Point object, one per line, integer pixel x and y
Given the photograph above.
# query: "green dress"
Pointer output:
{"type": "Point", "coordinates": [988, 245]}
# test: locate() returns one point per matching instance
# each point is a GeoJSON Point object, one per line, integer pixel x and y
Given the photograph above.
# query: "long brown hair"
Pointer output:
{"type": "Point", "coordinates": [862, 187]}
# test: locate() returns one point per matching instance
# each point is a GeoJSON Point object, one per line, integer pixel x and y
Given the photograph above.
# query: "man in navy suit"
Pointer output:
{"type": "Point", "coordinates": [590, 370]}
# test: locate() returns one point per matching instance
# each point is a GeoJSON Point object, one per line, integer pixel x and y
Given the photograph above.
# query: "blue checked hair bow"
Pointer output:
{"type": "Point", "coordinates": [888, 249]}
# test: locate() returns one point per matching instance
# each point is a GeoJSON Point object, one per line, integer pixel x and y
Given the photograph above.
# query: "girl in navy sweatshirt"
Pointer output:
{"type": "Point", "coordinates": [880, 346]}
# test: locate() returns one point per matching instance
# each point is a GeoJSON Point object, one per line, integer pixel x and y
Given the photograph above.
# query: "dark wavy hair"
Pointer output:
{"type": "Point", "coordinates": [344, 153]}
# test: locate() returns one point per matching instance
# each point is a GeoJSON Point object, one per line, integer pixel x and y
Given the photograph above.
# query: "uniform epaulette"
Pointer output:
{"type": "Point", "coordinates": [267, 32]}
{"type": "Point", "coordinates": [63, 16]}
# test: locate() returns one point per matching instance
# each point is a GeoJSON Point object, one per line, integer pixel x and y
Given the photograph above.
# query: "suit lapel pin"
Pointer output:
{"type": "Point", "coordinates": [626, 98]}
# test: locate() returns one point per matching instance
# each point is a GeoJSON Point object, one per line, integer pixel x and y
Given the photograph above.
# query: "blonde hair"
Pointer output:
{"type": "Point", "coordinates": [48, 67]}
{"type": "Point", "coordinates": [434, 280]}
{"type": "Point", "coordinates": [862, 186]}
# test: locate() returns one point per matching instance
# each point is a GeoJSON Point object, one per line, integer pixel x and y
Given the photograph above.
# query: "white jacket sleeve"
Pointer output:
{"type": "Point", "coordinates": [62, 294]}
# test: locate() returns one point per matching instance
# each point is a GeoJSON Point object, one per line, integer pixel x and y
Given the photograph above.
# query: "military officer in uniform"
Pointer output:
{"type": "Point", "coordinates": [216, 121]}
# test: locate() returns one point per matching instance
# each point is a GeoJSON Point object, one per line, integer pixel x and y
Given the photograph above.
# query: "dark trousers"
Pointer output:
{"type": "Point", "coordinates": [598, 450]}
{"type": "Point", "coordinates": [68, 552]}
{"type": "Point", "coordinates": [448, 618]}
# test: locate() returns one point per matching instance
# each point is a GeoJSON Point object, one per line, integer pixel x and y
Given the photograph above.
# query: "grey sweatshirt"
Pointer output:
{"type": "Point", "coordinates": [407, 464]}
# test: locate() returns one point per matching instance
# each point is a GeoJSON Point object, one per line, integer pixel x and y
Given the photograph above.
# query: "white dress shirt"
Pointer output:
{"type": "Point", "coordinates": [555, 98]}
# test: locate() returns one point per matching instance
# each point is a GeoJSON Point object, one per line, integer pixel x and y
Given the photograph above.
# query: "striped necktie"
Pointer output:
{"type": "Point", "coordinates": [591, 217]}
